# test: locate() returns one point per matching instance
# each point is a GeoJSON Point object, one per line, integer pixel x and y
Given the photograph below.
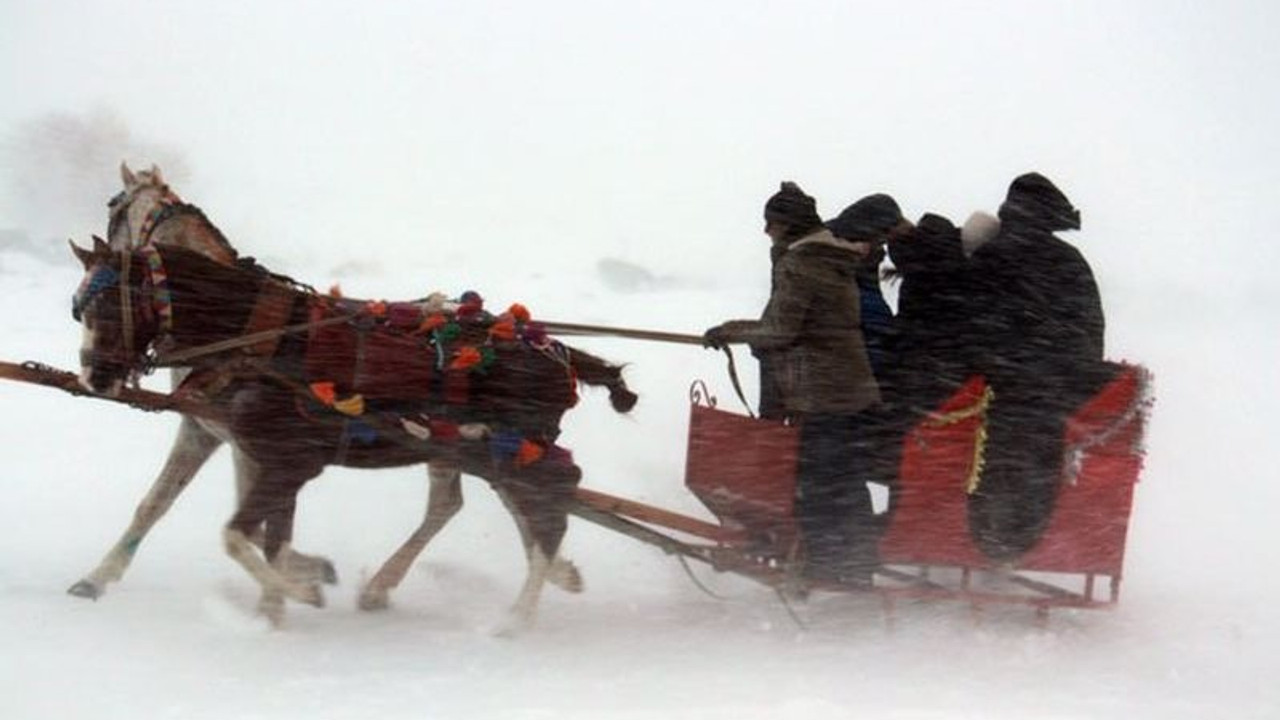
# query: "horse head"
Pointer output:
{"type": "Point", "coordinates": [133, 211]}
{"type": "Point", "coordinates": [115, 303]}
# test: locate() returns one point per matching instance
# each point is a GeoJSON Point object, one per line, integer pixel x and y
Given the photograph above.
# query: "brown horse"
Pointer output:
{"type": "Point", "coordinates": [147, 211]}
{"type": "Point", "coordinates": [485, 402]}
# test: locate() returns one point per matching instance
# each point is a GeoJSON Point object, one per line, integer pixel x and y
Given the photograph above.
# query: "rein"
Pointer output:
{"type": "Point", "coordinates": [575, 329]}
{"type": "Point", "coordinates": [182, 356]}
{"type": "Point", "coordinates": [126, 304]}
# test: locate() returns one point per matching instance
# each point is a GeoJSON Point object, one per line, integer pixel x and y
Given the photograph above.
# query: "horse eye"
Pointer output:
{"type": "Point", "coordinates": [119, 198]}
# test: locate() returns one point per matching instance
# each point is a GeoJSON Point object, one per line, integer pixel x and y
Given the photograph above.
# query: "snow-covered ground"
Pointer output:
{"type": "Point", "coordinates": [1195, 631]}
{"type": "Point", "coordinates": [607, 166]}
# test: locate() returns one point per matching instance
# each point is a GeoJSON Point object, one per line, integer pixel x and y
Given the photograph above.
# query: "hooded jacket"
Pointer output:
{"type": "Point", "coordinates": [811, 329]}
{"type": "Point", "coordinates": [1037, 302]}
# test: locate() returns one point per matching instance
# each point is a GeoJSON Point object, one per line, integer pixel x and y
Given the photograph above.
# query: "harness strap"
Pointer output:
{"type": "Point", "coordinates": [270, 312]}
{"type": "Point", "coordinates": [182, 356]}
{"type": "Point", "coordinates": [126, 306]}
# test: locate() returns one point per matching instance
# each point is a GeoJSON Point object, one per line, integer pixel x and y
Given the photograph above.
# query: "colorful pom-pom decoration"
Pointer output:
{"type": "Point", "coordinates": [519, 312]}
{"type": "Point", "coordinates": [536, 335]}
{"type": "Point", "coordinates": [324, 392]}
{"type": "Point", "coordinates": [465, 358]}
{"type": "Point", "coordinates": [353, 406]}
{"type": "Point", "coordinates": [503, 329]}
{"type": "Point", "coordinates": [528, 453]}
{"type": "Point", "coordinates": [433, 322]}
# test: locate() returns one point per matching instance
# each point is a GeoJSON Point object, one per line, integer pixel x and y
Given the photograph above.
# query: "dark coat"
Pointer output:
{"type": "Point", "coordinates": [811, 330]}
{"type": "Point", "coordinates": [1036, 312]}
{"type": "Point", "coordinates": [1037, 329]}
{"type": "Point", "coordinates": [931, 356]}
{"type": "Point", "coordinates": [879, 330]}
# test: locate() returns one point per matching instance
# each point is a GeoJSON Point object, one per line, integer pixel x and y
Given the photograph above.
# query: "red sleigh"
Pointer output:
{"type": "Point", "coordinates": [743, 470]}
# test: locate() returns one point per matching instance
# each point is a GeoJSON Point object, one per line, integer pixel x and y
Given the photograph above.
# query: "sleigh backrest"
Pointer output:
{"type": "Point", "coordinates": [1087, 531]}
{"type": "Point", "coordinates": [941, 462]}
{"type": "Point", "coordinates": [1104, 455]}
{"type": "Point", "coordinates": [744, 471]}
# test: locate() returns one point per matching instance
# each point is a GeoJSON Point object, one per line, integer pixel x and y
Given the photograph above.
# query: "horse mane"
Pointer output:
{"type": "Point", "coordinates": [219, 237]}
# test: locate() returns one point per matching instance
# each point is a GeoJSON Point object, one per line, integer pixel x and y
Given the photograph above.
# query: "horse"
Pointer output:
{"type": "Point", "coordinates": [148, 211]}
{"type": "Point", "coordinates": [492, 411]}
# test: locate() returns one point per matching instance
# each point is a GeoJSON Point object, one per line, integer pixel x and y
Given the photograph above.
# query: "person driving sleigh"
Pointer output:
{"type": "Point", "coordinates": [816, 374]}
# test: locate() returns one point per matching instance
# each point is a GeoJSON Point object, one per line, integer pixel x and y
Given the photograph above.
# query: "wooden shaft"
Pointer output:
{"type": "Point", "coordinates": [560, 328]}
{"type": "Point", "coordinates": [70, 383]}
{"type": "Point", "coordinates": [657, 516]}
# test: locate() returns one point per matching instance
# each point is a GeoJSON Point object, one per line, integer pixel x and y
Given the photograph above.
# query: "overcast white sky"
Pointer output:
{"type": "Point", "coordinates": [653, 131]}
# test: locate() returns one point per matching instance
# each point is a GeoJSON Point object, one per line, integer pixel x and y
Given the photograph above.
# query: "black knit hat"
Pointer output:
{"type": "Point", "coordinates": [792, 207]}
{"type": "Point", "coordinates": [1035, 200]}
{"type": "Point", "coordinates": [867, 219]}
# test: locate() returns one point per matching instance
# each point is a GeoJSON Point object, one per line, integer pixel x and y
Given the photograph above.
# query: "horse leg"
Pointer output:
{"type": "Point", "coordinates": [444, 500]}
{"type": "Point", "coordinates": [562, 572]}
{"type": "Point", "coordinates": [272, 503]}
{"type": "Point", "coordinates": [539, 506]}
{"type": "Point", "coordinates": [302, 568]}
{"type": "Point", "coordinates": [191, 448]}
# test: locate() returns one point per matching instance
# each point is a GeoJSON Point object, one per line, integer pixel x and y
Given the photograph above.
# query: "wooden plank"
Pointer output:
{"type": "Point", "coordinates": [657, 516]}
{"type": "Point", "coordinates": [68, 382]}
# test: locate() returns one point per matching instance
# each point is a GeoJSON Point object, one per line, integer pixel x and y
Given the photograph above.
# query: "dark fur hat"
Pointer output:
{"type": "Point", "coordinates": [792, 207]}
{"type": "Point", "coordinates": [1036, 201]}
{"type": "Point", "coordinates": [867, 219]}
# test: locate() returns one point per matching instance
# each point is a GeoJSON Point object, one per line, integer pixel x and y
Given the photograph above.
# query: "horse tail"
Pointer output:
{"type": "Point", "coordinates": [591, 370]}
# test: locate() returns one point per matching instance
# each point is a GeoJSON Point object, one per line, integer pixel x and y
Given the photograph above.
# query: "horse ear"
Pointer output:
{"type": "Point", "coordinates": [127, 176]}
{"type": "Point", "coordinates": [84, 256]}
{"type": "Point", "coordinates": [100, 246]}
{"type": "Point", "coordinates": [155, 175]}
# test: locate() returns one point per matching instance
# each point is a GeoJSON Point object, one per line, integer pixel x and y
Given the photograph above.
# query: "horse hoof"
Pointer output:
{"type": "Point", "coordinates": [272, 608]}
{"type": "Point", "coordinates": [373, 601]}
{"type": "Point", "coordinates": [329, 573]}
{"type": "Point", "coordinates": [313, 596]}
{"type": "Point", "coordinates": [565, 576]}
{"type": "Point", "coordinates": [511, 628]}
{"type": "Point", "coordinates": [85, 589]}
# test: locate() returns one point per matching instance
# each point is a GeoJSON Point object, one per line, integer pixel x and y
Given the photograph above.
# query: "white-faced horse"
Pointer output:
{"type": "Point", "coordinates": [147, 212]}
{"type": "Point", "coordinates": [483, 394]}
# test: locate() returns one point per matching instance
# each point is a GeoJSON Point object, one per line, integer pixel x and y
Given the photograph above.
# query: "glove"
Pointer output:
{"type": "Point", "coordinates": [714, 338]}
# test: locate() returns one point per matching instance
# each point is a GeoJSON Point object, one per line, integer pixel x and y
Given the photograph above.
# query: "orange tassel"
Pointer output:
{"type": "Point", "coordinates": [467, 356]}
{"type": "Point", "coordinates": [503, 330]}
{"type": "Point", "coordinates": [324, 392]}
{"type": "Point", "coordinates": [529, 453]}
{"type": "Point", "coordinates": [519, 312]}
{"type": "Point", "coordinates": [432, 322]}
{"type": "Point", "coordinates": [335, 291]}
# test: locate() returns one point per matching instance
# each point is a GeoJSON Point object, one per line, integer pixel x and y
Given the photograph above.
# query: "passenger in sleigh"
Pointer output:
{"type": "Point", "coordinates": [814, 360]}
{"type": "Point", "coordinates": [927, 358]}
{"type": "Point", "coordinates": [1035, 332]}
